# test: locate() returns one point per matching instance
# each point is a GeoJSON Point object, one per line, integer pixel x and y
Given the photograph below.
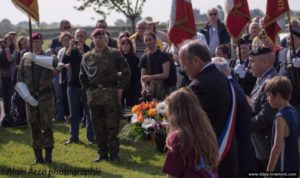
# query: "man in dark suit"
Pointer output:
{"type": "Point", "coordinates": [247, 161]}
{"type": "Point", "coordinates": [213, 91]}
{"type": "Point", "coordinates": [261, 63]}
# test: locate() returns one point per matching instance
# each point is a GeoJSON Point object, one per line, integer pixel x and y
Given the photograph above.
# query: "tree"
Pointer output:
{"type": "Point", "coordinates": [22, 25]}
{"type": "Point", "coordinates": [197, 15]}
{"type": "Point", "coordinates": [221, 12]}
{"type": "Point", "coordinates": [130, 8]}
{"type": "Point", "coordinates": [6, 26]}
{"type": "Point", "coordinates": [119, 22]}
{"type": "Point", "coordinates": [256, 12]}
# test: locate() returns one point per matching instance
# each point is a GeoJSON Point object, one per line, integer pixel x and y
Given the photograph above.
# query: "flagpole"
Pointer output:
{"type": "Point", "coordinates": [30, 32]}
{"type": "Point", "coordinates": [31, 50]}
{"type": "Point", "coordinates": [291, 35]}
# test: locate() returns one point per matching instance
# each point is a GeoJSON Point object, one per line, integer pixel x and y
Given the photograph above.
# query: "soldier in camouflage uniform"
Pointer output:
{"type": "Point", "coordinates": [39, 117]}
{"type": "Point", "coordinates": [104, 73]}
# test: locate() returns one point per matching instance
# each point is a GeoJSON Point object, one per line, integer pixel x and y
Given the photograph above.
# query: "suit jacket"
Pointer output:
{"type": "Point", "coordinates": [262, 113]}
{"type": "Point", "coordinates": [247, 162]}
{"type": "Point", "coordinates": [262, 117]}
{"type": "Point", "coordinates": [212, 89]}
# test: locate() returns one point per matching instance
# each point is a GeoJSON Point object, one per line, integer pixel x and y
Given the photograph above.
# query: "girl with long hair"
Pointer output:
{"type": "Point", "coordinates": [191, 142]}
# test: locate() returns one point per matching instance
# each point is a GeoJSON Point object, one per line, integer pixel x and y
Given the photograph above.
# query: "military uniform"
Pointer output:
{"type": "Point", "coordinates": [262, 114]}
{"type": "Point", "coordinates": [39, 117]}
{"type": "Point", "coordinates": [102, 83]}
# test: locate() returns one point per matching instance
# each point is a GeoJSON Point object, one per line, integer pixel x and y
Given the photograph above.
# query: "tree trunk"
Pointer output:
{"type": "Point", "coordinates": [132, 24]}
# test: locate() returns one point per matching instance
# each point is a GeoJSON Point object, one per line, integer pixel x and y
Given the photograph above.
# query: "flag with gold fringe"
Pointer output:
{"type": "Point", "coordinates": [30, 7]}
{"type": "Point", "coordinates": [182, 22]}
{"type": "Point", "coordinates": [237, 16]}
{"type": "Point", "coordinates": [276, 10]}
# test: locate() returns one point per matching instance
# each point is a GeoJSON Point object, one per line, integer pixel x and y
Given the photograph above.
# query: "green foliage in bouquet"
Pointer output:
{"type": "Point", "coordinates": [131, 133]}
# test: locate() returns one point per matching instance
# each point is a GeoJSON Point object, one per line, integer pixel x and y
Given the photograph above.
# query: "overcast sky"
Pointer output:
{"type": "Point", "coordinates": [55, 10]}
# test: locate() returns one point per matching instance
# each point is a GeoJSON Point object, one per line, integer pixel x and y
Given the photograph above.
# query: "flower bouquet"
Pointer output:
{"type": "Point", "coordinates": [148, 119]}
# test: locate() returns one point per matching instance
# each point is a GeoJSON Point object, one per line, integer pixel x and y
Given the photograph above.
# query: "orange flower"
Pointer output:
{"type": "Point", "coordinates": [152, 112]}
{"type": "Point", "coordinates": [140, 118]}
{"type": "Point", "coordinates": [136, 109]}
{"type": "Point", "coordinates": [153, 104]}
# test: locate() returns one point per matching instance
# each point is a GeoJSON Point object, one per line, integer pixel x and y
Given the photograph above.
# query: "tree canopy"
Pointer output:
{"type": "Point", "coordinates": [132, 9]}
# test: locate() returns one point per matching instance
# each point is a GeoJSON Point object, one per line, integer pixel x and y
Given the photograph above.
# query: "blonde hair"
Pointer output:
{"type": "Point", "coordinates": [19, 40]}
{"type": "Point", "coordinates": [192, 126]}
{"type": "Point", "coordinates": [63, 34]}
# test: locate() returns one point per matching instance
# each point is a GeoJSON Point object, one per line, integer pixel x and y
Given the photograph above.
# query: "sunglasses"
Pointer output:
{"type": "Point", "coordinates": [214, 13]}
{"type": "Point", "coordinates": [67, 27]}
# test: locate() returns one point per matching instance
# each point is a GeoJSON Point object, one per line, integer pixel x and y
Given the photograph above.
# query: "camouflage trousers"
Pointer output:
{"type": "Point", "coordinates": [105, 121]}
{"type": "Point", "coordinates": [40, 123]}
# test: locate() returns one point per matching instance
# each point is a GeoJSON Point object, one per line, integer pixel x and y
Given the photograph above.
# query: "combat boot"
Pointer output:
{"type": "Point", "coordinates": [102, 154]}
{"type": "Point", "coordinates": [38, 156]}
{"type": "Point", "coordinates": [114, 157]}
{"type": "Point", "coordinates": [48, 155]}
{"type": "Point", "coordinates": [101, 157]}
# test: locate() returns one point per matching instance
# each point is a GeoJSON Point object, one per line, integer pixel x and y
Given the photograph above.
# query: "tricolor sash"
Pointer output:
{"type": "Point", "coordinates": [225, 139]}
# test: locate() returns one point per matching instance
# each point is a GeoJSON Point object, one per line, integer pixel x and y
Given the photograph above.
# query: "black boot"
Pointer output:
{"type": "Point", "coordinates": [48, 157]}
{"type": "Point", "coordinates": [38, 156]}
{"type": "Point", "coordinates": [101, 157]}
{"type": "Point", "coordinates": [7, 122]}
{"type": "Point", "coordinates": [102, 154]}
{"type": "Point", "coordinates": [114, 157]}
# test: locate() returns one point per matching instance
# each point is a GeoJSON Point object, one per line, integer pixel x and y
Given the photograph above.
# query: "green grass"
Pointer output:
{"type": "Point", "coordinates": [137, 160]}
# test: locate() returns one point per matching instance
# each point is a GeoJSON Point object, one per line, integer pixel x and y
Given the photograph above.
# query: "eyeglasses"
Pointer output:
{"type": "Point", "coordinates": [214, 13]}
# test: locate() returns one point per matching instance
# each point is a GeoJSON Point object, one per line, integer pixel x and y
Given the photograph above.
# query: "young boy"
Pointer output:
{"type": "Point", "coordinates": [284, 153]}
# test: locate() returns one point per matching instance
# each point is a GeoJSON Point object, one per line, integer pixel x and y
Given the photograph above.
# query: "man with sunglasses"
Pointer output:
{"type": "Point", "coordinates": [111, 42]}
{"type": "Point", "coordinates": [215, 31]}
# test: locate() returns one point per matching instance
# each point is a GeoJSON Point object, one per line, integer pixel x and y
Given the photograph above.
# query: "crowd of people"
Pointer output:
{"type": "Point", "coordinates": [232, 105]}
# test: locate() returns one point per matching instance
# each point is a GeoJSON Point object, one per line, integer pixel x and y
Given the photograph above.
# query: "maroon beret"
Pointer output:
{"type": "Point", "coordinates": [98, 31]}
{"type": "Point", "coordinates": [36, 36]}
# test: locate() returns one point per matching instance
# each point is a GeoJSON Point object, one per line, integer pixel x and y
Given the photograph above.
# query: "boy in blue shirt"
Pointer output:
{"type": "Point", "coordinates": [284, 153]}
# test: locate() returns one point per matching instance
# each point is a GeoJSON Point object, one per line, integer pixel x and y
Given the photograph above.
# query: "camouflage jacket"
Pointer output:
{"type": "Point", "coordinates": [102, 86]}
{"type": "Point", "coordinates": [42, 76]}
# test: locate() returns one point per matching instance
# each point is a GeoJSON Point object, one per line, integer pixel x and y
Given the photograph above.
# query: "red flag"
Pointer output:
{"type": "Point", "coordinates": [182, 21]}
{"type": "Point", "coordinates": [30, 7]}
{"type": "Point", "coordinates": [237, 16]}
{"type": "Point", "coordinates": [276, 9]}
